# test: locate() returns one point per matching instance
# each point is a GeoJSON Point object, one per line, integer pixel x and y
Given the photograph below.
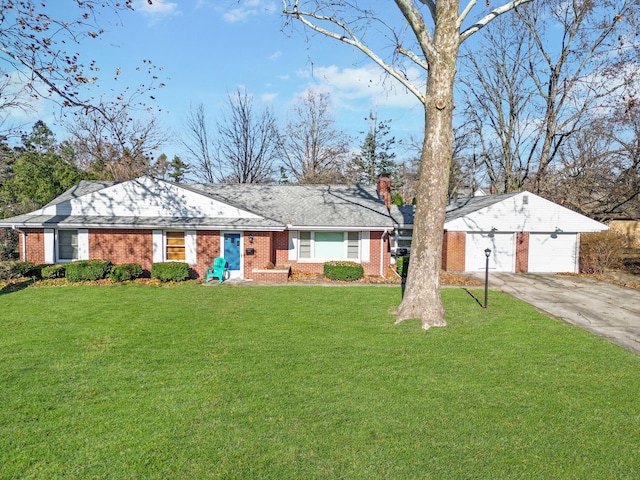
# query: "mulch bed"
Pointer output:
{"type": "Point", "coordinates": [446, 279]}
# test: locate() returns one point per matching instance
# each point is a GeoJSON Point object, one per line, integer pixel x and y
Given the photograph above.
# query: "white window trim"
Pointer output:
{"type": "Point", "coordinates": [49, 245]}
{"type": "Point", "coordinates": [52, 245]}
{"type": "Point", "coordinates": [234, 273]}
{"type": "Point", "coordinates": [160, 246]}
{"type": "Point", "coordinates": [363, 247]}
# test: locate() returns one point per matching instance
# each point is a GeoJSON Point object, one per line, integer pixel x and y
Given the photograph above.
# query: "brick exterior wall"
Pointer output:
{"type": "Point", "coordinates": [207, 250]}
{"type": "Point", "coordinates": [136, 246]}
{"type": "Point", "coordinates": [453, 251]}
{"type": "Point", "coordinates": [371, 268]}
{"type": "Point", "coordinates": [522, 252]}
{"type": "Point", "coordinates": [122, 246]}
{"type": "Point", "coordinates": [262, 253]}
{"type": "Point", "coordinates": [35, 245]}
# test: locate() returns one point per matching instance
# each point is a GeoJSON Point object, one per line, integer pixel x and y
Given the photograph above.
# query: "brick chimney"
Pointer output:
{"type": "Point", "coordinates": [384, 189]}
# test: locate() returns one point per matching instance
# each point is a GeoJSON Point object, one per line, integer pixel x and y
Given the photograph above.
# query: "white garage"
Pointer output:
{"type": "Point", "coordinates": [525, 233]}
{"type": "Point", "coordinates": [553, 252]}
{"type": "Point", "coordinates": [501, 258]}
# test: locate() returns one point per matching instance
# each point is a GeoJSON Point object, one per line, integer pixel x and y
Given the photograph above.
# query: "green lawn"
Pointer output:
{"type": "Point", "coordinates": [192, 382]}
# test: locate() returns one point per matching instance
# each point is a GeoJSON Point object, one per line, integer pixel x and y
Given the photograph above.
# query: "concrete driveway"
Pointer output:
{"type": "Point", "coordinates": [605, 309]}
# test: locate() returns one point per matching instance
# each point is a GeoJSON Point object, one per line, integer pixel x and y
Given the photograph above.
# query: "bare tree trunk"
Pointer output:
{"type": "Point", "coordinates": [422, 294]}
{"type": "Point", "coordinates": [436, 56]}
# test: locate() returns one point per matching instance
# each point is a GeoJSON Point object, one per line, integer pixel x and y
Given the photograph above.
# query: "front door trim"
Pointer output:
{"type": "Point", "coordinates": [224, 236]}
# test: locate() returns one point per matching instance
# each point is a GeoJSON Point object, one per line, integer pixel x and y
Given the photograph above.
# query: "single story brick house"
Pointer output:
{"type": "Point", "coordinates": [148, 220]}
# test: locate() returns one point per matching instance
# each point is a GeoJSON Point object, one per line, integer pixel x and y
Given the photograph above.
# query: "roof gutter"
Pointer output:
{"type": "Point", "coordinates": [148, 227]}
{"type": "Point", "coordinates": [336, 228]}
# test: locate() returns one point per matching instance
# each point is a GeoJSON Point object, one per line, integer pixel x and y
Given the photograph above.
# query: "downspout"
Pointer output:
{"type": "Point", "coordinates": [382, 265]}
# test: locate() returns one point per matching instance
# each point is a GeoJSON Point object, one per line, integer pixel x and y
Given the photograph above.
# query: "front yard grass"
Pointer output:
{"type": "Point", "coordinates": [131, 381]}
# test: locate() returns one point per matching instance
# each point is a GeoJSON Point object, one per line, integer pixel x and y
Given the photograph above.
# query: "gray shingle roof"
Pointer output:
{"type": "Point", "coordinates": [340, 206]}
{"type": "Point", "coordinates": [460, 207]}
{"type": "Point", "coordinates": [306, 205]}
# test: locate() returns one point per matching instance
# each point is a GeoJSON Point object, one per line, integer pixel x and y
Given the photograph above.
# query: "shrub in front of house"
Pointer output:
{"type": "Point", "coordinates": [125, 271]}
{"type": "Point", "coordinates": [402, 266]}
{"type": "Point", "coordinates": [601, 251]}
{"type": "Point", "coordinates": [8, 244]}
{"type": "Point", "coordinates": [170, 271]}
{"type": "Point", "coordinates": [347, 271]}
{"type": "Point", "coordinates": [87, 270]}
{"type": "Point", "coordinates": [13, 270]}
{"type": "Point", "coordinates": [49, 272]}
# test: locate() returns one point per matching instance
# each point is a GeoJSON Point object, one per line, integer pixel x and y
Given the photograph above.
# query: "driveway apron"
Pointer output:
{"type": "Point", "coordinates": [608, 310]}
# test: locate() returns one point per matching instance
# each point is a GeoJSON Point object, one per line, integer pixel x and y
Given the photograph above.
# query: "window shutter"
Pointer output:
{"type": "Point", "coordinates": [293, 245]}
{"type": "Point", "coordinates": [190, 247]}
{"type": "Point", "coordinates": [365, 238]}
{"type": "Point", "coordinates": [158, 249]}
{"type": "Point", "coordinates": [49, 246]}
{"type": "Point", "coordinates": [83, 244]}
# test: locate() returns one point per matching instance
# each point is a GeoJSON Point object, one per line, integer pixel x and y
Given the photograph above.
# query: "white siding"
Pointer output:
{"type": "Point", "coordinates": [49, 245]}
{"type": "Point", "coordinates": [365, 244]}
{"type": "Point", "coordinates": [525, 212]}
{"type": "Point", "coordinates": [190, 247]}
{"type": "Point", "coordinates": [293, 245]}
{"type": "Point", "coordinates": [146, 197]}
{"type": "Point", "coordinates": [83, 244]}
{"type": "Point", "coordinates": [158, 246]}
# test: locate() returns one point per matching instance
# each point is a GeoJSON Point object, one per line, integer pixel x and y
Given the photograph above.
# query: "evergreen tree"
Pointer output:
{"type": "Point", "coordinates": [178, 169]}
{"type": "Point", "coordinates": [42, 171]}
{"type": "Point", "coordinates": [376, 155]}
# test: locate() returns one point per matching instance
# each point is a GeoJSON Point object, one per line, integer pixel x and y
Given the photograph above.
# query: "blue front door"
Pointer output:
{"type": "Point", "coordinates": [232, 251]}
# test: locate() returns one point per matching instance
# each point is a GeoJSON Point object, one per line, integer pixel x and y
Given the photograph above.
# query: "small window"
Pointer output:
{"type": "Point", "coordinates": [353, 250]}
{"type": "Point", "coordinates": [175, 247]}
{"type": "Point", "coordinates": [305, 244]}
{"type": "Point", "coordinates": [67, 245]}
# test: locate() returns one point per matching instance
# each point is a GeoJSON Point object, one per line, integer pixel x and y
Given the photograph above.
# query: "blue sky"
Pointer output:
{"type": "Point", "coordinates": [209, 48]}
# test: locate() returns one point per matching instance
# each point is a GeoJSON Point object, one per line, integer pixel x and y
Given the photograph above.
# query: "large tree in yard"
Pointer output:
{"type": "Point", "coordinates": [427, 37]}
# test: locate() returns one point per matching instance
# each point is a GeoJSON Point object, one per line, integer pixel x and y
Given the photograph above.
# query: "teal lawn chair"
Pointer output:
{"type": "Point", "coordinates": [218, 270]}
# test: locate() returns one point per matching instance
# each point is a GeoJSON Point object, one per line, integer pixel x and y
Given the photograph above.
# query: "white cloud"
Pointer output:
{"type": "Point", "coordinates": [350, 86]}
{"type": "Point", "coordinates": [248, 9]}
{"type": "Point", "coordinates": [157, 9]}
{"type": "Point", "coordinates": [268, 97]}
{"type": "Point", "coordinates": [276, 55]}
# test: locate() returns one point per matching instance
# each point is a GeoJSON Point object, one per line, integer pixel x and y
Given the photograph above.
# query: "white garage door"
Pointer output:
{"type": "Point", "coordinates": [553, 252]}
{"type": "Point", "coordinates": [502, 257]}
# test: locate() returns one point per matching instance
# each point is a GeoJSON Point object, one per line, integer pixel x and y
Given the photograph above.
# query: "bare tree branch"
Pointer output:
{"type": "Point", "coordinates": [483, 22]}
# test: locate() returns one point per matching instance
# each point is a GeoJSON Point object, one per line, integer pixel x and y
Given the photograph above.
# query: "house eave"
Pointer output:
{"type": "Point", "coordinates": [340, 228]}
{"type": "Point", "coordinates": [142, 226]}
